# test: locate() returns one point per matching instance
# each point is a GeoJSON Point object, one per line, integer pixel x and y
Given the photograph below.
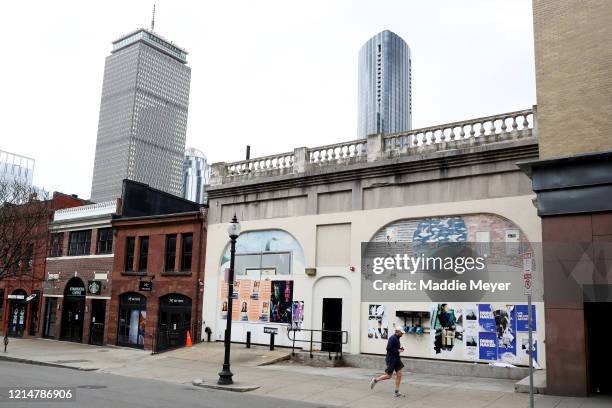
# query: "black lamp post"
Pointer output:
{"type": "Point", "coordinates": [225, 376]}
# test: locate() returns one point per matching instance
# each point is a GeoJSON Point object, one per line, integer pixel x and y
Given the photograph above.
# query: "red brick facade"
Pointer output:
{"type": "Point", "coordinates": [32, 282]}
{"type": "Point", "coordinates": [164, 282]}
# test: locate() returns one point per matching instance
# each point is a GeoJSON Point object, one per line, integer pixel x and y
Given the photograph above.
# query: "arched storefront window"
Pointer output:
{"type": "Point", "coordinates": [132, 320]}
{"type": "Point", "coordinates": [73, 310]}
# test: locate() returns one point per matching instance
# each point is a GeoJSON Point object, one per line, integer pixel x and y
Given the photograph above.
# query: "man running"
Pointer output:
{"type": "Point", "coordinates": [393, 361]}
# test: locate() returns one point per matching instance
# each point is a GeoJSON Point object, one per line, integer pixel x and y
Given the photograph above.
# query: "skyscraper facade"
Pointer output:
{"type": "Point", "coordinates": [195, 175]}
{"type": "Point", "coordinates": [384, 91]}
{"type": "Point", "coordinates": [16, 168]}
{"type": "Point", "coordinates": [143, 116]}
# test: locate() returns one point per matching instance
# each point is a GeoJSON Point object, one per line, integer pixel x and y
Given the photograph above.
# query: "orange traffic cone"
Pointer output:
{"type": "Point", "coordinates": [188, 342]}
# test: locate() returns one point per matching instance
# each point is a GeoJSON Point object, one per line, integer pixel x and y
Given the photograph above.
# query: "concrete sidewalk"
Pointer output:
{"type": "Point", "coordinates": [341, 386]}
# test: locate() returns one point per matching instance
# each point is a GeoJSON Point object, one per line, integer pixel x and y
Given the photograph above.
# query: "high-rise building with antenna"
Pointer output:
{"type": "Point", "coordinates": [143, 115]}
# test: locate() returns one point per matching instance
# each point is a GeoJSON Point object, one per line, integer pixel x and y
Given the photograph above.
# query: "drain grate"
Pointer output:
{"type": "Point", "coordinates": [71, 361]}
{"type": "Point", "coordinates": [92, 387]}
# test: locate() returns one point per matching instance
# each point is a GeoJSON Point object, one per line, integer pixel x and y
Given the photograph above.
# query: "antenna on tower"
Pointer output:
{"type": "Point", "coordinates": [153, 18]}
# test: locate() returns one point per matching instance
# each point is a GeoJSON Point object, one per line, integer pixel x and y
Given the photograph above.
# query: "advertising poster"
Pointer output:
{"type": "Point", "coordinates": [487, 346]}
{"type": "Point", "coordinates": [297, 314]}
{"type": "Point", "coordinates": [486, 320]}
{"type": "Point", "coordinates": [251, 300]}
{"type": "Point", "coordinates": [523, 344]}
{"type": "Point", "coordinates": [447, 330]}
{"type": "Point", "coordinates": [378, 323]}
{"type": "Point", "coordinates": [522, 315]}
{"type": "Point", "coordinates": [281, 302]}
{"type": "Point", "coordinates": [470, 329]}
{"type": "Point", "coordinates": [505, 323]}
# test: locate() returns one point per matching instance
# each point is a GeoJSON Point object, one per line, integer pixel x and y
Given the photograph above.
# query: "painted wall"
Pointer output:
{"type": "Point", "coordinates": [364, 225]}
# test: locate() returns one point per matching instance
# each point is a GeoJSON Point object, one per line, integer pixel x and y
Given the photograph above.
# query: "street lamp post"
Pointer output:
{"type": "Point", "coordinates": [225, 376]}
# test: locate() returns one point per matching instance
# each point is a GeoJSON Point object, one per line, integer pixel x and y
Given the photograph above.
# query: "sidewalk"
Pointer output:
{"type": "Point", "coordinates": [341, 386]}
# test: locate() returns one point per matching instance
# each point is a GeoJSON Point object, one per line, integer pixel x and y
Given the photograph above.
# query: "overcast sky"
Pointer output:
{"type": "Point", "coordinates": [273, 74]}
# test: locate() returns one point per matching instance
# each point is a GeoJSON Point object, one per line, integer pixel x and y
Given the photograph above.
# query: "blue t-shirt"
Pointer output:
{"type": "Point", "coordinates": [393, 349]}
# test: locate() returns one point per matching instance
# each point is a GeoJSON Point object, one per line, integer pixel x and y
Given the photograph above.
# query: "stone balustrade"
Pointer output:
{"type": "Point", "coordinates": [512, 125]}
{"type": "Point", "coordinates": [355, 150]}
{"type": "Point", "coordinates": [458, 135]}
{"type": "Point", "coordinates": [267, 164]}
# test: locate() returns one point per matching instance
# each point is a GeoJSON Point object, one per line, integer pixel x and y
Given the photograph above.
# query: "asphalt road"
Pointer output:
{"type": "Point", "coordinates": [95, 390]}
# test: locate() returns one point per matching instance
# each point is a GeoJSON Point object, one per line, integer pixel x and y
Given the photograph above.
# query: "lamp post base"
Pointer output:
{"type": "Point", "coordinates": [225, 377]}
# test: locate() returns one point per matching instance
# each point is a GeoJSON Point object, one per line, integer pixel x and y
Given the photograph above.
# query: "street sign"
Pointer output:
{"type": "Point", "coordinates": [29, 298]}
{"type": "Point", "coordinates": [271, 330]}
{"type": "Point", "coordinates": [527, 275]}
{"type": "Point", "coordinates": [16, 297]}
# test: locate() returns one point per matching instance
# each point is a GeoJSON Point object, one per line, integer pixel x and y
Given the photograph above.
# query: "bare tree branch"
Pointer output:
{"type": "Point", "coordinates": [24, 216]}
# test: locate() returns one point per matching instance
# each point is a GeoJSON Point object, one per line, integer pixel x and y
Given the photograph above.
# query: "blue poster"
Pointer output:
{"type": "Point", "coordinates": [486, 320]}
{"type": "Point", "coordinates": [522, 316]}
{"type": "Point", "coordinates": [505, 320]}
{"type": "Point", "coordinates": [487, 346]}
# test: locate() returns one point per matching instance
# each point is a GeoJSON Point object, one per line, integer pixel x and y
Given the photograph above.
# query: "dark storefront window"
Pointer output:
{"type": "Point", "coordinates": [143, 255]}
{"type": "Point", "coordinates": [50, 317]}
{"type": "Point", "coordinates": [57, 244]}
{"type": "Point", "coordinates": [105, 241]}
{"type": "Point", "coordinates": [186, 252]}
{"type": "Point", "coordinates": [174, 321]}
{"type": "Point", "coordinates": [80, 243]}
{"type": "Point", "coordinates": [132, 320]}
{"type": "Point", "coordinates": [170, 252]}
{"type": "Point", "coordinates": [17, 313]}
{"type": "Point", "coordinates": [130, 244]}
{"type": "Point", "coordinates": [34, 304]}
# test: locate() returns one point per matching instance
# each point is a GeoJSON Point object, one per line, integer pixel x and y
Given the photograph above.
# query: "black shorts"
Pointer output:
{"type": "Point", "coordinates": [394, 366]}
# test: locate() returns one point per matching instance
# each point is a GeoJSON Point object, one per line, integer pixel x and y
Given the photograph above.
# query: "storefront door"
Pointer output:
{"type": "Point", "coordinates": [132, 320]}
{"type": "Point", "coordinates": [98, 313]}
{"type": "Point", "coordinates": [332, 324]}
{"type": "Point", "coordinates": [50, 317]}
{"type": "Point", "coordinates": [17, 313]}
{"type": "Point", "coordinates": [174, 321]}
{"type": "Point", "coordinates": [73, 311]}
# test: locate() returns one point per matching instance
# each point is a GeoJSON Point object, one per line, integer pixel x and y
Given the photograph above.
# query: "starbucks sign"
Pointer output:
{"type": "Point", "coordinates": [94, 287]}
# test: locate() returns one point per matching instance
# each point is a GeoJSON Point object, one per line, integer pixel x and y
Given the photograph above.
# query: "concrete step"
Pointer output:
{"type": "Point", "coordinates": [416, 365]}
{"type": "Point", "coordinates": [539, 383]}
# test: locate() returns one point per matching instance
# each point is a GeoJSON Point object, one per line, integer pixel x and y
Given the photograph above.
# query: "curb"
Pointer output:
{"type": "Point", "coordinates": [236, 387]}
{"type": "Point", "coordinates": [43, 363]}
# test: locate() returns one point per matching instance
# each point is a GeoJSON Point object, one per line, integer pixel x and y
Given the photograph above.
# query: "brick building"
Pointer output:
{"type": "Point", "coordinates": [20, 305]}
{"type": "Point", "coordinates": [573, 183]}
{"type": "Point", "coordinates": [77, 288]}
{"type": "Point", "coordinates": [158, 270]}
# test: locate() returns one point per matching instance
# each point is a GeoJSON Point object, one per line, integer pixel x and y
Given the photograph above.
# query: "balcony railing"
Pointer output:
{"type": "Point", "coordinates": [451, 136]}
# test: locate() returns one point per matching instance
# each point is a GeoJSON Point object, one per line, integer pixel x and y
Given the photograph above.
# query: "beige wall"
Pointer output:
{"type": "Point", "coordinates": [363, 225]}
{"type": "Point", "coordinates": [573, 75]}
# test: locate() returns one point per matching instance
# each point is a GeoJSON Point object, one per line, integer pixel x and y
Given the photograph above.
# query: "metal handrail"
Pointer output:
{"type": "Point", "coordinates": [343, 339]}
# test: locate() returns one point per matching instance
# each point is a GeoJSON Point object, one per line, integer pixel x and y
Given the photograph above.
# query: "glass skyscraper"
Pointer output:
{"type": "Point", "coordinates": [143, 116]}
{"type": "Point", "coordinates": [16, 168]}
{"type": "Point", "coordinates": [384, 91]}
{"type": "Point", "coordinates": [196, 173]}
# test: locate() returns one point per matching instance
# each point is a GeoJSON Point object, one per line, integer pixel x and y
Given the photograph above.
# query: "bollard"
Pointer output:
{"type": "Point", "coordinates": [248, 342]}
{"type": "Point", "coordinates": [208, 332]}
{"type": "Point", "coordinates": [6, 340]}
{"type": "Point", "coordinates": [271, 341]}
